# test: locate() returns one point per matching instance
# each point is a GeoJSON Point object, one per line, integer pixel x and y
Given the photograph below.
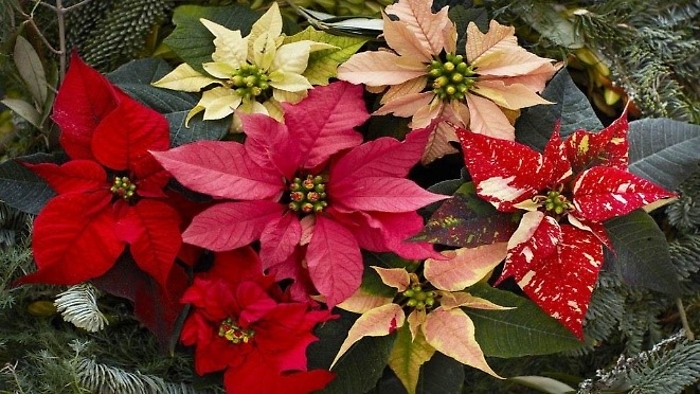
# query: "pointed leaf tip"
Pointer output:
{"type": "Point", "coordinates": [451, 332]}
{"type": "Point", "coordinates": [379, 321]}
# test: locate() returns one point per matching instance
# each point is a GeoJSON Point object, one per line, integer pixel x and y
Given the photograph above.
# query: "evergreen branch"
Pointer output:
{"type": "Point", "coordinates": [11, 370]}
{"type": "Point", "coordinates": [105, 379]}
{"type": "Point", "coordinates": [78, 305]}
{"type": "Point", "coordinates": [668, 367]}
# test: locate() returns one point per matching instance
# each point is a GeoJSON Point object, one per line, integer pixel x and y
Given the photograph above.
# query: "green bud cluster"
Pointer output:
{"type": "Point", "coordinates": [451, 78]}
{"type": "Point", "coordinates": [418, 298]}
{"type": "Point", "coordinates": [308, 195]}
{"type": "Point", "coordinates": [123, 187]}
{"type": "Point", "coordinates": [250, 81]}
{"type": "Point", "coordinates": [556, 203]}
{"type": "Point", "coordinates": [234, 333]}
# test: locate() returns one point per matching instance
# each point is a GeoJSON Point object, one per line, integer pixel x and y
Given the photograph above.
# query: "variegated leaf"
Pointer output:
{"type": "Point", "coordinates": [466, 221]}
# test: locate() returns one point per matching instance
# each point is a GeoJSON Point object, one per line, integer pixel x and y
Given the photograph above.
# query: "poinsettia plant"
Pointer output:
{"type": "Point", "coordinates": [312, 252]}
{"type": "Point", "coordinates": [556, 252]}
{"type": "Point", "coordinates": [110, 192]}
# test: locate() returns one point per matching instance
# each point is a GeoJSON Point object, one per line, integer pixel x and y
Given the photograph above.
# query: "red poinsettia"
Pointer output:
{"type": "Point", "coordinates": [308, 190]}
{"type": "Point", "coordinates": [110, 192]}
{"type": "Point", "coordinates": [241, 324]}
{"type": "Point", "coordinates": [567, 192]}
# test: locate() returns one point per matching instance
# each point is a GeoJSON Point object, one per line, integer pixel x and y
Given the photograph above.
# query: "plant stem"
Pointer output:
{"type": "Point", "coordinates": [684, 319]}
{"type": "Point", "coordinates": [62, 52]}
{"type": "Point", "coordinates": [60, 16]}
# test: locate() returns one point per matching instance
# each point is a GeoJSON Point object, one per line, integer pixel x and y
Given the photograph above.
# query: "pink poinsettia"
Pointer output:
{"type": "Point", "coordinates": [428, 80]}
{"type": "Point", "coordinates": [567, 193]}
{"type": "Point", "coordinates": [110, 192]}
{"type": "Point", "coordinates": [309, 191]}
{"type": "Point", "coordinates": [241, 324]}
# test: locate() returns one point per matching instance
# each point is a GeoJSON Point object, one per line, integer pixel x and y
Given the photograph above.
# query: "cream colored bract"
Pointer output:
{"type": "Point", "coordinates": [254, 73]}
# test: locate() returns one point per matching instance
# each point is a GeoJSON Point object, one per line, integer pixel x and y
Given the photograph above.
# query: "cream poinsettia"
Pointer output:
{"type": "Point", "coordinates": [254, 73]}
{"type": "Point", "coordinates": [430, 308]}
{"type": "Point", "coordinates": [428, 80]}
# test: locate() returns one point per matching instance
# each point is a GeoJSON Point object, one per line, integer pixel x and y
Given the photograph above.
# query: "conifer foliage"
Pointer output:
{"type": "Point", "coordinates": [421, 197]}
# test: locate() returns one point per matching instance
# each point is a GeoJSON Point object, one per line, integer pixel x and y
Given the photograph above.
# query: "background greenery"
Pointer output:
{"type": "Point", "coordinates": [615, 50]}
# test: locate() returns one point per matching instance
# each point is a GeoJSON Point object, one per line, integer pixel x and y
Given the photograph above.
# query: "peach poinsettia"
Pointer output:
{"type": "Point", "coordinates": [428, 80]}
{"type": "Point", "coordinates": [255, 73]}
{"type": "Point", "coordinates": [431, 308]}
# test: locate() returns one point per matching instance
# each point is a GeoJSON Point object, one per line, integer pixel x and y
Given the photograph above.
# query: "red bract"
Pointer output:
{"type": "Point", "coordinates": [240, 324]}
{"type": "Point", "coordinates": [308, 188]}
{"type": "Point", "coordinates": [567, 192]}
{"type": "Point", "coordinates": [108, 193]}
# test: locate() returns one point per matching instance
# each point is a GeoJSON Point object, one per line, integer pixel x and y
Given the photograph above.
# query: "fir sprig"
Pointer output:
{"type": "Point", "coordinates": [668, 367]}
{"type": "Point", "coordinates": [78, 305]}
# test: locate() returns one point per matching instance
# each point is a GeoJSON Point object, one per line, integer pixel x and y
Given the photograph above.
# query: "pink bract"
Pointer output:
{"type": "Point", "coordinates": [309, 191]}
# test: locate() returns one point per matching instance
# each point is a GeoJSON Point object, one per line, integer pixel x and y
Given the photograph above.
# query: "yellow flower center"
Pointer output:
{"type": "Point", "coordinates": [554, 203]}
{"type": "Point", "coordinates": [123, 187]}
{"type": "Point", "coordinates": [450, 79]}
{"type": "Point", "coordinates": [250, 81]}
{"type": "Point", "coordinates": [417, 297]}
{"type": "Point", "coordinates": [308, 195]}
{"type": "Point", "coordinates": [235, 333]}
{"type": "Point", "coordinates": [557, 203]}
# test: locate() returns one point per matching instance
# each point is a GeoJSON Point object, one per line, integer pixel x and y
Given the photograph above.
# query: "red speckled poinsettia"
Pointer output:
{"type": "Point", "coordinates": [567, 192]}
{"type": "Point", "coordinates": [309, 191]}
{"type": "Point", "coordinates": [241, 324]}
{"type": "Point", "coordinates": [110, 192]}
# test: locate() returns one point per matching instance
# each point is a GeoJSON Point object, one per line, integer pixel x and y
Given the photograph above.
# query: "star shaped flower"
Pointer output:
{"type": "Point", "coordinates": [430, 302]}
{"type": "Point", "coordinates": [241, 324]}
{"type": "Point", "coordinates": [254, 73]}
{"type": "Point", "coordinates": [565, 194]}
{"type": "Point", "coordinates": [428, 80]}
{"type": "Point", "coordinates": [110, 192]}
{"type": "Point", "coordinates": [309, 190]}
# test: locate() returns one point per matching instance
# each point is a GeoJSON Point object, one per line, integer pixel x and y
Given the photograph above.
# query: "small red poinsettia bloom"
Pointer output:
{"type": "Point", "coordinates": [241, 323]}
{"type": "Point", "coordinates": [110, 192]}
{"type": "Point", "coordinates": [567, 193]}
{"type": "Point", "coordinates": [309, 190]}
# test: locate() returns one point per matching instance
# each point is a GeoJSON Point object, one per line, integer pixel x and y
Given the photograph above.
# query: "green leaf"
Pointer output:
{"type": "Point", "coordinates": [192, 42]}
{"type": "Point", "coordinates": [442, 374]}
{"type": "Point", "coordinates": [361, 367]}
{"type": "Point", "coordinates": [554, 26]}
{"type": "Point", "coordinates": [523, 331]}
{"type": "Point", "coordinates": [387, 126]}
{"type": "Point", "coordinates": [408, 356]}
{"type": "Point", "coordinates": [387, 260]}
{"type": "Point", "coordinates": [467, 221]}
{"type": "Point", "coordinates": [447, 187]}
{"type": "Point", "coordinates": [30, 69]}
{"type": "Point", "coordinates": [324, 64]}
{"type": "Point", "coordinates": [25, 110]}
{"type": "Point", "coordinates": [641, 256]}
{"type": "Point", "coordinates": [341, 25]}
{"type": "Point", "coordinates": [198, 129]}
{"type": "Point", "coordinates": [571, 106]}
{"type": "Point", "coordinates": [543, 384]}
{"type": "Point", "coordinates": [664, 151]}
{"type": "Point", "coordinates": [372, 284]}
{"type": "Point", "coordinates": [461, 16]}
{"type": "Point", "coordinates": [135, 78]}
{"type": "Point", "coordinates": [20, 188]}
